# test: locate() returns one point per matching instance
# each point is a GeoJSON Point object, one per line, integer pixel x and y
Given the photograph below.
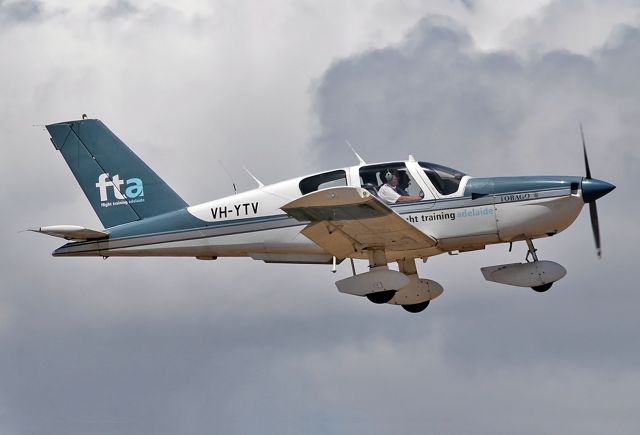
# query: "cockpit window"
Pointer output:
{"type": "Point", "coordinates": [445, 180]}
{"type": "Point", "coordinates": [322, 181]}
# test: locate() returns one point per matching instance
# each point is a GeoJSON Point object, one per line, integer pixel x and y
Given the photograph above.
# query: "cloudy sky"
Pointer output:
{"type": "Point", "coordinates": [168, 346]}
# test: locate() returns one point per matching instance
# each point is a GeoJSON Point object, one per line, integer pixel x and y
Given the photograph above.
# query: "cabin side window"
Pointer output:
{"type": "Point", "coordinates": [323, 181]}
{"type": "Point", "coordinates": [445, 180]}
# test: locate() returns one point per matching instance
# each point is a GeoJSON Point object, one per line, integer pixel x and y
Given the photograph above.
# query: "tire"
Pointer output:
{"type": "Point", "coordinates": [381, 297]}
{"type": "Point", "coordinates": [542, 288]}
{"type": "Point", "coordinates": [416, 308]}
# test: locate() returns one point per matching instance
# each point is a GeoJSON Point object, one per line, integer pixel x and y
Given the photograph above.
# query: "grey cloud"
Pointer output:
{"type": "Point", "coordinates": [469, 4]}
{"type": "Point", "coordinates": [563, 25]}
{"type": "Point", "coordinates": [235, 346]}
{"type": "Point", "coordinates": [20, 11]}
{"type": "Point", "coordinates": [118, 8]}
{"type": "Point", "coordinates": [421, 97]}
{"type": "Point", "coordinates": [438, 97]}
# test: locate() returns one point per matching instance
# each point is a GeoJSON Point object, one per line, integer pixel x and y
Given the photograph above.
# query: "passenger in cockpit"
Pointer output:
{"type": "Point", "coordinates": [389, 191]}
{"type": "Point", "coordinates": [403, 183]}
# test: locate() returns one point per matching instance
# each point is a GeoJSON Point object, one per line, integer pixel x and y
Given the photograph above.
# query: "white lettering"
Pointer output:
{"type": "Point", "coordinates": [102, 185]}
{"type": "Point", "coordinates": [134, 189]}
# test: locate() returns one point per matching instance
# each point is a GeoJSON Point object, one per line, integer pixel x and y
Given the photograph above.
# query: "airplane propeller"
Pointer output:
{"type": "Point", "coordinates": [592, 189]}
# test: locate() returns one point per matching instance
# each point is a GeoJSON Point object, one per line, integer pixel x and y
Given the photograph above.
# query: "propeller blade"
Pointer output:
{"type": "Point", "coordinates": [593, 212]}
{"type": "Point", "coordinates": [584, 150]}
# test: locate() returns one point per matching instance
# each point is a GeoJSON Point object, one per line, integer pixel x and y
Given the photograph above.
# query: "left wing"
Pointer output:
{"type": "Point", "coordinates": [345, 220]}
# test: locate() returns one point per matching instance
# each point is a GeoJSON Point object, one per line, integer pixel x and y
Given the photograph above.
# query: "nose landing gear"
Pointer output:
{"type": "Point", "coordinates": [537, 274]}
{"type": "Point", "coordinates": [532, 251]}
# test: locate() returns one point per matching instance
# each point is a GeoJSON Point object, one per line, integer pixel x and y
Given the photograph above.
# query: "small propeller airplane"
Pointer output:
{"type": "Point", "coordinates": [384, 212]}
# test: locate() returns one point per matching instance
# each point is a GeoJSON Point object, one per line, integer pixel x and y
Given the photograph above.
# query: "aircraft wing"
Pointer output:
{"type": "Point", "coordinates": [71, 232]}
{"type": "Point", "coordinates": [344, 220]}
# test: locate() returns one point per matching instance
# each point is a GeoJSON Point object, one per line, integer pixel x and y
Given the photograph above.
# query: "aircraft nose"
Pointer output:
{"type": "Point", "coordinates": [593, 189]}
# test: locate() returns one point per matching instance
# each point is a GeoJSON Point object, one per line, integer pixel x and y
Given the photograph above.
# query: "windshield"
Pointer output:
{"type": "Point", "coordinates": [445, 180]}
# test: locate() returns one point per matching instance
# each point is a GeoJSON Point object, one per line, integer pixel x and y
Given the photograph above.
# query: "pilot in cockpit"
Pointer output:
{"type": "Point", "coordinates": [389, 191]}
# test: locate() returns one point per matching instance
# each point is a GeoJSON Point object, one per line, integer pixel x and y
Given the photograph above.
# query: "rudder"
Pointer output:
{"type": "Point", "coordinates": [119, 185]}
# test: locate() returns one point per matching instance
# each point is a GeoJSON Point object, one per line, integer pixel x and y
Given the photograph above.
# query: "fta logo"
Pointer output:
{"type": "Point", "coordinates": [133, 188]}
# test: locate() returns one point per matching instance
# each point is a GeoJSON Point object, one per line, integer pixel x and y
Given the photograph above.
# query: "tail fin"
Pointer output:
{"type": "Point", "coordinates": [120, 187]}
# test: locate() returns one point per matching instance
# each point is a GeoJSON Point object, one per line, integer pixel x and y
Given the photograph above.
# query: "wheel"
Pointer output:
{"type": "Point", "coordinates": [416, 308]}
{"type": "Point", "coordinates": [542, 288]}
{"type": "Point", "coordinates": [381, 297]}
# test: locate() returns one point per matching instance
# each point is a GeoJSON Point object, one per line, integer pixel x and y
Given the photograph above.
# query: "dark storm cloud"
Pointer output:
{"type": "Point", "coordinates": [426, 94]}
{"type": "Point", "coordinates": [438, 97]}
{"type": "Point", "coordinates": [20, 11]}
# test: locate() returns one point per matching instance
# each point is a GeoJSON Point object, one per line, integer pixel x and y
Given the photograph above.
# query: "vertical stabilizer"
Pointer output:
{"type": "Point", "coordinates": [120, 187]}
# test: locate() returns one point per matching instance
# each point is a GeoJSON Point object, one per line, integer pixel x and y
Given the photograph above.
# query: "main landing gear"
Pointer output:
{"type": "Point", "coordinates": [382, 285]}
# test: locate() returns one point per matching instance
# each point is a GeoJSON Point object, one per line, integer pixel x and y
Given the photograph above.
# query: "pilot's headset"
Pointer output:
{"type": "Point", "coordinates": [388, 175]}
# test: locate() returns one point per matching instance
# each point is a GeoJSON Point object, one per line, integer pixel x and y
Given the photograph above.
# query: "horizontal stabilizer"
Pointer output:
{"type": "Point", "coordinates": [71, 232]}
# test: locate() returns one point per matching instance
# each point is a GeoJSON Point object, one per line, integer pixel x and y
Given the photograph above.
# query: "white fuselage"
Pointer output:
{"type": "Point", "coordinates": [252, 223]}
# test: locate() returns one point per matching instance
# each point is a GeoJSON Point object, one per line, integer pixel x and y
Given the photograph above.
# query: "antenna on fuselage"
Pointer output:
{"type": "Point", "coordinates": [360, 159]}
{"type": "Point", "coordinates": [260, 183]}
{"type": "Point", "coordinates": [233, 183]}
